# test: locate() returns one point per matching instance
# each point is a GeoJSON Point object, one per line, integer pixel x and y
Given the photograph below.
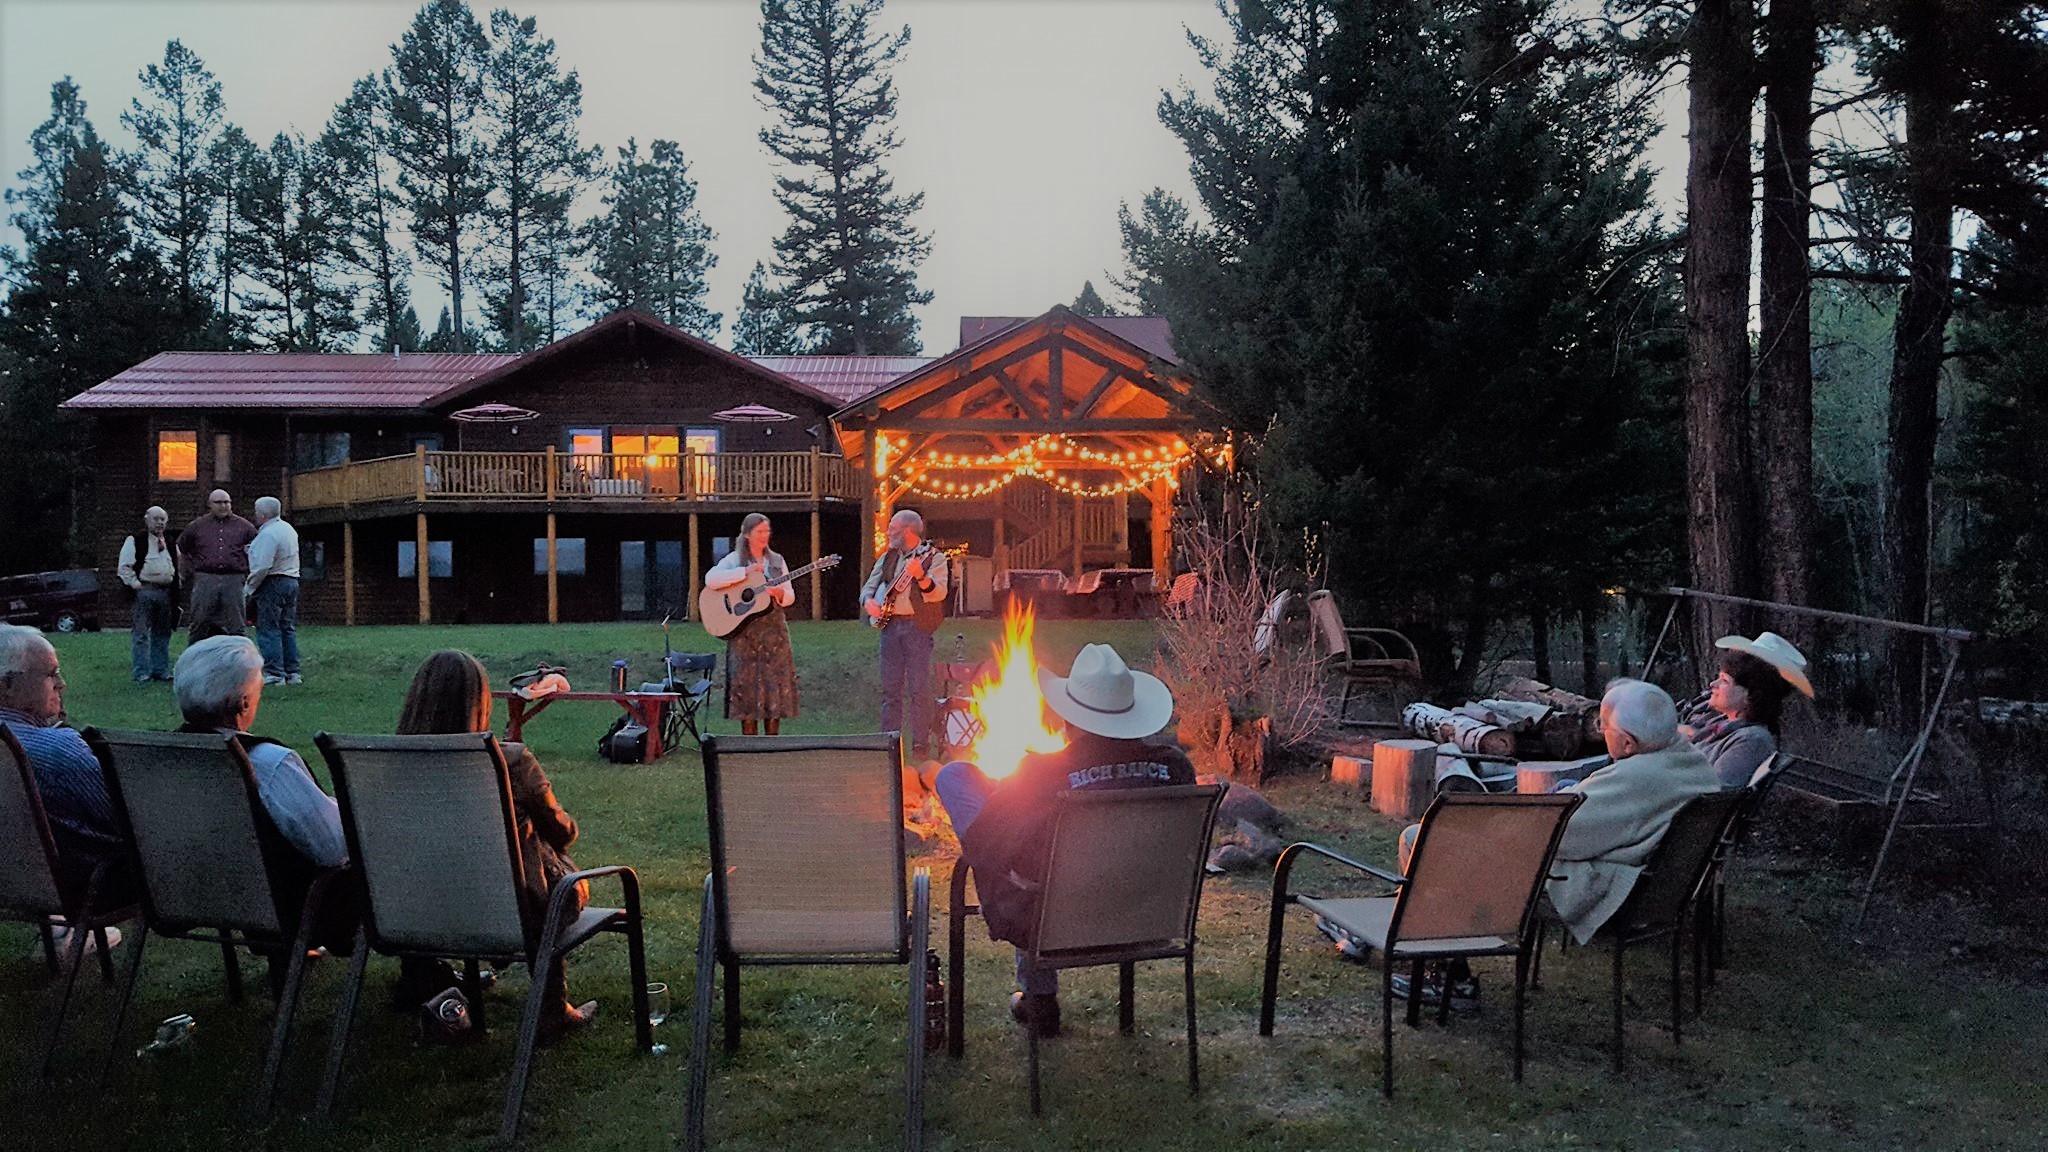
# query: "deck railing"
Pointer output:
{"type": "Point", "coordinates": [513, 477]}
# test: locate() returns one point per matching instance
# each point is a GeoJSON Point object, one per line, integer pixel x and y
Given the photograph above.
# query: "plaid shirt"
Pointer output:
{"type": "Point", "coordinates": [74, 792]}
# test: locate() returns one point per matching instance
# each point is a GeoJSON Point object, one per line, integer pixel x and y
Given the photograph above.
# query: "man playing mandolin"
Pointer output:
{"type": "Point", "coordinates": [760, 668]}
{"type": "Point", "coordinates": [905, 596]}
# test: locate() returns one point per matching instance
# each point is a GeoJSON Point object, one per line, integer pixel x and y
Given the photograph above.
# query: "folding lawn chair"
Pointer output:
{"type": "Point", "coordinates": [1361, 656]}
{"type": "Point", "coordinates": [689, 675]}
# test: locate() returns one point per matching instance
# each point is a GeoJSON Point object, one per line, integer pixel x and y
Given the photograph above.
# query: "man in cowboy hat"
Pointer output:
{"type": "Point", "coordinates": [1735, 721]}
{"type": "Point", "coordinates": [1005, 826]}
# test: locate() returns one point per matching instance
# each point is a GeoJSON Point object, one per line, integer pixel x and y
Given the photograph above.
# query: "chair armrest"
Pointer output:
{"type": "Point", "coordinates": [629, 880]}
{"type": "Point", "coordinates": [1386, 640]}
{"type": "Point", "coordinates": [1285, 867]}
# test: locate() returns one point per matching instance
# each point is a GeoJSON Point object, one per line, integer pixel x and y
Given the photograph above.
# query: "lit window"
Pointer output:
{"type": "Point", "coordinates": [569, 553]}
{"type": "Point", "coordinates": [177, 456]}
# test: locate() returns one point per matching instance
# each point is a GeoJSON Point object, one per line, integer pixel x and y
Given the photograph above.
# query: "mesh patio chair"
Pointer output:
{"type": "Point", "coordinates": [1662, 900]}
{"type": "Point", "coordinates": [1123, 884]}
{"type": "Point", "coordinates": [1714, 910]}
{"type": "Point", "coordinates": [1473, 880]}
{"type": "Point", "coordinates": [807, 867]}
{"type": "Point", "coordinates": [31, 892]}
{"type": "Point", "coordinates": [1361, 656]}
{"type": "Point", "coordinates": [432, 832]}
{"type": "Point", "coordinates": [213, 867]}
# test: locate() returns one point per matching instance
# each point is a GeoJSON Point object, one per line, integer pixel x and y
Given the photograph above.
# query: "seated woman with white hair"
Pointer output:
{"type": "Point", "coordinates": [219, 685]}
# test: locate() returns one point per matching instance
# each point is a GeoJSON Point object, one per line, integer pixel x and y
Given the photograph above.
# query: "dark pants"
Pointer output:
{"type": "Point", "coordinates": [150, 632]}
{"type": "Point", "coordinates": [277, 625]}
{"type": "Point", "coordinates": [217, 608]}
{"type": "Point", "coordinates": [963, 792]}
{"type": "Point", "coordinates": [907, 684]}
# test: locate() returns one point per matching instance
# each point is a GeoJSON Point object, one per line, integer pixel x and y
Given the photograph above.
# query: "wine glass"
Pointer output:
{"type": "Point", "coordinates": [657, 1003]}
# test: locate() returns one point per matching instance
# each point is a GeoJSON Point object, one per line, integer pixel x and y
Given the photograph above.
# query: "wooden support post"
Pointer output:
{"type": "Point", "coordinates": [1120, 528]}
{"type": "Point", "coordinates": [1079, 503]}
{"type": "Point", "coordinates": [817, 478]}
{"type": "Point", "coordinates": [870, 485]}
{"type": "Point", "coordinates": [1000, 552]}
{"type": "Point", "coordinates": [1161, 495]}
{"type": "Point", "coordinates": [696, 570]}
{"type": "Point", "coordinates": [419, 479]}
{"type": "Point", "coordinates": [817, 546]}
{"type": "Point", "coordinates": [554, 591]}
{"type": "Point", "coordinates": [419, 556]}
{"type": "Point", "coordinates": [348, 571]}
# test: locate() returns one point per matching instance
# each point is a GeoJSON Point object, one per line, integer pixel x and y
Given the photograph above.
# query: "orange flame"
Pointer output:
{"type": "Point", "coordinates": [1009, 707]}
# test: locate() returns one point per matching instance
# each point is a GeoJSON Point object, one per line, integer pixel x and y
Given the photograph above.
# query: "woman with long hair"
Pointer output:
{"type": "Point", "coordinates": [760, 667]}
{"type": "Point", "coordinates": [451, 693]}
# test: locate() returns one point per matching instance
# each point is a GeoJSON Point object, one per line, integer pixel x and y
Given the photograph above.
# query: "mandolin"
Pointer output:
{"type": "Point", "coordinates": [723, 610]}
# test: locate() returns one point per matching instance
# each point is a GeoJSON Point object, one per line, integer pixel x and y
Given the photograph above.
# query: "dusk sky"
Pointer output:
{"type": "Point", "coordinates": [1025, 124]}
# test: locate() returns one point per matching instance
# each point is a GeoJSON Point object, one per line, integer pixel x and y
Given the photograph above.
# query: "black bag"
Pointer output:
{"type": "Point", "coordinates": [625, 742]}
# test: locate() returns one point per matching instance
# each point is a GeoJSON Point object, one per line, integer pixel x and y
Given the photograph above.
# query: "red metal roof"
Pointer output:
{"type": "Point", "coordinates": [846, 378]}
{"type": "Point", "coordinates": [1152, 333]}
{"type": "Point", "coordinates": [293, 380]}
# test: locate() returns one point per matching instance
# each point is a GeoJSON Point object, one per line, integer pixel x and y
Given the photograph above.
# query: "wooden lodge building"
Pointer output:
{"type": "Point", "coordinates": [598, 477]}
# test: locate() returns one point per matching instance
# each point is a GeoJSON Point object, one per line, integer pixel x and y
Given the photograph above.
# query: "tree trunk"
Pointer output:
{"type": "Point", "coordinates": [1785, 361]}
{"type": "Point", "coordinates": [1919, 333]}
{"type": "Point", "coordinates": [1720, 513]}
{"type": "Point", "coordinates": [1589, 651]}
{"type": "Point", "coordinates": [1539, 641]}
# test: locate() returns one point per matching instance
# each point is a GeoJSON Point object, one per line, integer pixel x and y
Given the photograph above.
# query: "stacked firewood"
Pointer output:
{"type": "Point", "coordinates": [1529, 720]}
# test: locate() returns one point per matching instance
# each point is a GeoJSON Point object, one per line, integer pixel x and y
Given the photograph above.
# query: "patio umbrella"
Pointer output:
{"type": "Point", "coordinates": [491, 414]}
{"type": "Point", "coordinates": [753, 414]}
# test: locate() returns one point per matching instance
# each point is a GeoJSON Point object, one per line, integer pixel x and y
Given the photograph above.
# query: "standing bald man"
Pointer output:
{"type": "Point", "coordinates": [149, 567]}
{"type": "Point", "coordinates": [214, 553]}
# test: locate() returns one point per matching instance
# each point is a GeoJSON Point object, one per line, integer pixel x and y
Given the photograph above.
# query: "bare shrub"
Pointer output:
{"type": "Point", "coordinates": [1236, 702]}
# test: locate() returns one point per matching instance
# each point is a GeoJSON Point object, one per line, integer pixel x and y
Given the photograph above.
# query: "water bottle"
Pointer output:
{"type": "Point", "coordinates": [934, 1003]}
{"type": "Point", "coordinates": [619, 669]}
{"type": "Point", "coordinates": [173, 1035]}
{"type": "Point", "coordinates": [959, 648]}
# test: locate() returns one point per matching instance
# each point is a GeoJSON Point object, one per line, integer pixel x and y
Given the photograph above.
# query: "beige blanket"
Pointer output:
{"type": "Point", "coordinates": [1629, 805]}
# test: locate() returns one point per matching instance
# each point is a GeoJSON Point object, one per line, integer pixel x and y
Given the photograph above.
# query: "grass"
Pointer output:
{"type": "Point", "coordinates": [1810, 1040]}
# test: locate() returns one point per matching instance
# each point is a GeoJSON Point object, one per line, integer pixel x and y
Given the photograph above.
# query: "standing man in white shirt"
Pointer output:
{"type": "Point", "coordinates": [905, 596]}
{"type": "Point", "coordinates": [274, 589]}
{"type": "Point", "coordinates": [149, 567]}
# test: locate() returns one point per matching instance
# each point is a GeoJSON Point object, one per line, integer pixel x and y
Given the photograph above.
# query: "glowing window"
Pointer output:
{"type": "Point", "coordinates": [177, 456]}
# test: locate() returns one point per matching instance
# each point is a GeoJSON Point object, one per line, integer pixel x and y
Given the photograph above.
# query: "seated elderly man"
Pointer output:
{"type": "Point", "coordinates": [1628, 807]}
{"type": "Point", "coordinates": [67, 775]}
{"type": "Point", "coordinates": [219, 685]}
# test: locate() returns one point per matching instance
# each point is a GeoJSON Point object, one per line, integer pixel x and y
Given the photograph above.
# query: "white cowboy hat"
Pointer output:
{"type": "Point", "coordinates": [1102, 695]}
{"type": "Point", "coordinates": [1776, 651]}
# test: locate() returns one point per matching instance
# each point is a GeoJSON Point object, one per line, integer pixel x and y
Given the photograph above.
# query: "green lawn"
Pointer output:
{"type": "Point", "coordinates": [1806, 1042]}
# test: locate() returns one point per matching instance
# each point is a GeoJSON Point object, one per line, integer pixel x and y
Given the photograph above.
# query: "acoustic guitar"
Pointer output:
{"type": "Point", "coordinates": [723, 610]}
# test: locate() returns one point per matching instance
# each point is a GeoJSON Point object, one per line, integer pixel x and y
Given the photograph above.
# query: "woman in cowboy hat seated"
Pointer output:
{"type": "Point", "coordinates": [1005, 826]}
{"type": "Point", "coordinates": [1735, 721]}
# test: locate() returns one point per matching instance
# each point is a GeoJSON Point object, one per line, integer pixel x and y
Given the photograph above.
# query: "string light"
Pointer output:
{"type": "Point", "coordinates": [1039, 457]}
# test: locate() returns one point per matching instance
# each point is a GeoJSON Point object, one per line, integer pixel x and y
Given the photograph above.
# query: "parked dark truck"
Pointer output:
{"type": "Point", "coordinates": [67, 601]}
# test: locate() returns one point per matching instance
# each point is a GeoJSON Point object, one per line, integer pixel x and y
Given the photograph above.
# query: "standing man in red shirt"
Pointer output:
{"type": "Point", "coordinates": [214, 552]}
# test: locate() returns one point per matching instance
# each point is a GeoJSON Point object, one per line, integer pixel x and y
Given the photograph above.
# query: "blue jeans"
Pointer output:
{"type": "Point", "coordinates": [907, 684]}
{"type": "Point", "coordinates": [150, 632]}
{"type": "Point", "coordinates": [963, 792]}
{"type": "Point", "coordinates": [277, 625]}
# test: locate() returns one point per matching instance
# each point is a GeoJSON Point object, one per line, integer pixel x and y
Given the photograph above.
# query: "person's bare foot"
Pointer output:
{"type": "Point", "coordinates": [572, 1020]}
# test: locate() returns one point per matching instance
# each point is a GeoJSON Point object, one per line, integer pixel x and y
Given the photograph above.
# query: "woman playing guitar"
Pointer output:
{"type": "Point", "coordinates": [905, 596]}
{"type": "Point", "coordinates": [760, 668]}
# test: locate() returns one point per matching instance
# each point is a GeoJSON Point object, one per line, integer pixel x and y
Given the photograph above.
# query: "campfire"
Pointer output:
{"type": "Point", "coordinates": [1008, 710]}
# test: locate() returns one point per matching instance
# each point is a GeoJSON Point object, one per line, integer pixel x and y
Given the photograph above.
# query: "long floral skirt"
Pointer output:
{"type": "Point", "coordinates": [760, 670]}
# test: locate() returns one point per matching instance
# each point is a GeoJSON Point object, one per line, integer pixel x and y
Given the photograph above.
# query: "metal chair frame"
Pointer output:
{"type": "Point", "coordinates": [1340, 649]}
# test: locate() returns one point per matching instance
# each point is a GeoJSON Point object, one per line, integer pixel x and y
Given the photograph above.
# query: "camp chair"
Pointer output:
{"type": "Point", "coordinates": [689, 675]}
{"type": "Point", "coordinates": [431, 830]}
{"type": "Point", "coordinates": [1662, 900]}
{"type": "Point", "coordinates": [1478, 866]}
{"type": "Point", "coordinates": [1362, 656]}
{"type": "Point", "coordinates": [1267, 630]}
{"type": "Point", "coordinates": [31, 893]}
{"type": "Point", "coordinates": [1123, 884]}
{"type": "Point", "coordinates": [1180, 595]}
{"type": "Point", "coordinates": [1714, 910]}
{"type": "Point", "coordinates": [213, 867]}
{"type": "Point", "coordinates": [806, 868]}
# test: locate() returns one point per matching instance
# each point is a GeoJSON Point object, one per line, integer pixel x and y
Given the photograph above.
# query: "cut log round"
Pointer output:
{"type": "Point", "coordinates": [1403, 777]}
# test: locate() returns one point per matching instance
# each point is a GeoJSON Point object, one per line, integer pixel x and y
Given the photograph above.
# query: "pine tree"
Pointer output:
{"type": "Point", "coordinates": [849, 257]}
{"type": "Point", "coordinates": [176, 121]}
{"type": "Point", "coordinates": [1088, 303]}
{"type": "Point", "coordinates": [533, 164]}
{"type": "Point", "coordinates": [85, 303]}
{"type": "Point", "coordinates": [649, 246]}
{"type": "Point", "coordinates": [229, 160]}
{"type": "Point", "coordinates": [289, 204]}
{"type": "Point", "coordinates": [434, 95]}
{"type": "Point", "coordinates": [763, 326]}
{"type": "Point", "coordinates": [558, 252]}
{"type": "Point", "coordinates": [357, 139]}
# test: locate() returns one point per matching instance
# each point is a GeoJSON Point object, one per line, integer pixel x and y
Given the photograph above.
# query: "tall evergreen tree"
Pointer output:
{"type": "Point", "coordinates": [849, 257]}
{"type": "Point", "coordinates": [650, 248]}
{"type": "Point", "coordinates": [357, 139]}
{"type": "Point", "coordinates": [1427, 215]}
{"type": "Point", "coordinates": [231, 158]}
{"type": "Point", "coordinates": [558, 255]}
{"type": "Point", "coordinates": [533, 163]}
{"type": "Point", "coordinates": [1090, 302]}
{"type": "Point", "coordinates": [435, 96]}
{"type": "Point", "coordinates": [289, 202]}
{"type": "Point", "coordinates": [176, 121]}
{"type": "Point", "coordinates": [85, 303]}
{"type": "Point", "coordinates": [763, 326]}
